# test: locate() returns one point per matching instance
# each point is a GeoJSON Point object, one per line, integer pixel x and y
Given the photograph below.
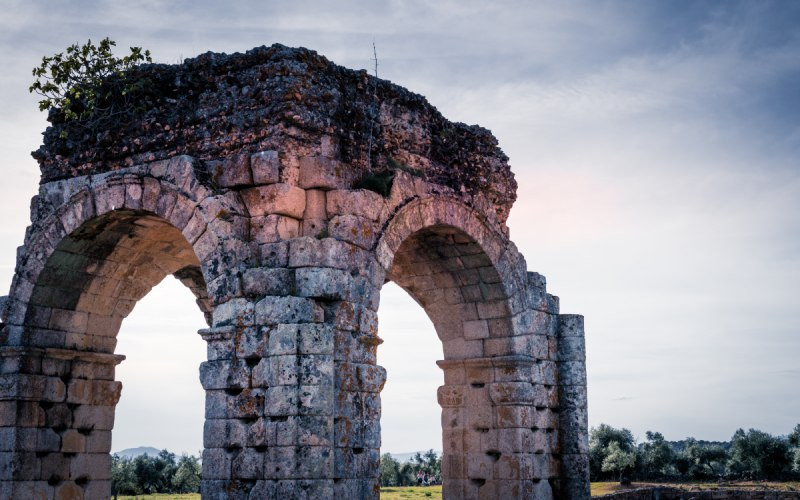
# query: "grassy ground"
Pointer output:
{"type": "Point", "coordinates": [404, 492]}
{"type": "Point", "coordinates": [163, 496]}
{"type": "Point", "coordinates": [604, 488]}
{"type": "Point", "coordinates": [396, 493]}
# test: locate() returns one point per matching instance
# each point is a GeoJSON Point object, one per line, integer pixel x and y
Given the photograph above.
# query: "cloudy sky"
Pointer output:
{"type": "Point", "coordinates": [656, 146]}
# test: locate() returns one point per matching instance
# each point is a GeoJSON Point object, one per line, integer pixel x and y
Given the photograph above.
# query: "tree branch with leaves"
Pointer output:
{"type": "Point", "coordinates": [89, 85]}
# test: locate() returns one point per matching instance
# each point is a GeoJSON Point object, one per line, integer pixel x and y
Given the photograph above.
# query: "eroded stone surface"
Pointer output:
{"type": "Point", "coordinates": [246, 182]}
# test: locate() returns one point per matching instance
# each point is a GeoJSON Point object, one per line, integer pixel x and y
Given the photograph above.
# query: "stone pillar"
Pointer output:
{"type": "Point", "coordinates": [292, 404]}
{"type": "Point", "coordinates": [497, 429]}
{"type": "Point", "coordinates": [573, 416]}
{"type": "Point", "coordinates": [56, 415]}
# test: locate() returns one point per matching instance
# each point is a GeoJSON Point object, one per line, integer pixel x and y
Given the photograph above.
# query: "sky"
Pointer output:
{"type": "Point", "coordinates": [656, 146]}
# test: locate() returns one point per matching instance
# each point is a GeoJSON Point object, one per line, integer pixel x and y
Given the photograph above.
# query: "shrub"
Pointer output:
{"type": "Point", "coordinates": [88, 86]}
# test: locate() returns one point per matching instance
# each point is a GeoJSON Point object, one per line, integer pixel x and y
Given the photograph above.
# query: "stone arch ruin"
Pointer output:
{"type": "Point", "coordinates": [250, 180]}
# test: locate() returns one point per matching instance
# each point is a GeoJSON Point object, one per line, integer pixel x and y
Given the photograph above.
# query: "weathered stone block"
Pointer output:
{"type": "Point", "coordinates": [305, 488]}
{"type": "Point", "coordinates": [98, 442]}
{"type": "Point", "coordinates": [282, 199]}
{"type": "Point", "coordinates": [216, 464]}
{"type": "Point", "coordinates": [274, 310]}
{"type": "Point", "coordinates": [572, 348]}
{"type": "Point", "coordinates": [93, 417]}
{"type": "Point", "coordinates": [314, 462]}
{"type": "Point", "coordinates": [55, 465]}
{"type": "Point", "coordinates": [94, 465]}
{"type": "Point", "coordinates": [316, 399]}
{"type": "Point", "coordinates": [324, 283]}
{"type": "Point", "coordinates": [245, 403]}
{"type": "Point", "coordinates": [274, 254]}
{"type": "Point", "coordinates": [265, 166]}
{"type": "Point", "coordinates": [315, 339]}
{"type": "Point", "coordinates": [479, 466]}
{"type": "Point", "coordinates": [73, 441]}
{"type": "Point", "coordinates": [546, 418]}
{"type": "Point", "coordinates": [264, 489]}
{"type": "Point", "coordinates": [261, 375]}
{"type": "Point", "coordinates": [273, 228]}
{"type": "Point", "coordinates": [93, 392]}
{"type": "Point", "coordinates": [477, 329]}
{"type": "Point", "coordinates": [572, 396]}
{"type": "Point", "coordinates": [329, 252]}
{"type": "Point", "coordinates": [321, 172]}
{"type": "Point", "coordinates": [235, 312]}
{"type": "Point", "coordinates": [570, 325]}
{"type": "Point", "coordinates": [315, 431]}
{"type": "Point", "coordinates": [283, 339]}
{"type": "Point", "coordinates": [315, 369]}
{"type": "Point", "coordinates": [283, 370]}
{"type": "Point", "coordinates": [315, 205]}
{"type": "Point", "coordinates": [261, 432]}
{"type": "Point", "coordinates": [512, 393]}
{"type": "Point", "coordinates": [282, 462]}
{"type": "Point", "coordinates": [549, 372]}
{"type": "Point", "coordinates": [232, 171]}
{"type": "Point", "coordinates": [515, 416]}
{"type": "Point", "coordinates": [268, 281]}
{"type": "Point", "coordinates": [572, 373]}
{"type": "Point", "coordinates": [451, 396]}
{"type": "Point", "coordinates": [248, 464]}
{"type": "Point", "coordinates": [282, 400]}
{"type": "Point", "coordinates": [359, 231]}
{"type": "Point", "coordinates": [224, 374]}
{"type": "Point", "coordinates": [315, 228]}
{"type": "Point", "coordinates": [361, 202]}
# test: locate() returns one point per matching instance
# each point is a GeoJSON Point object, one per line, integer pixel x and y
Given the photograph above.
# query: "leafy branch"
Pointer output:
{"type": "Point", "coordinates": [89, 85]}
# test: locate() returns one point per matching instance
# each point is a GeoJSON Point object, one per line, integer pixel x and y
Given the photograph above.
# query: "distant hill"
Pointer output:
{"type": "Point", "coordinates": [135, 452]}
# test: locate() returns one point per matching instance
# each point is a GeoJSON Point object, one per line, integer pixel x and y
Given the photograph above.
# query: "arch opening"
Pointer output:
{"type": "Point", "coordinates": [450, 275]}
{"type": "Point", "coordinates": [162, 404]}
{"type": "Point", "coordinates": [89, 284]}
{"type": "Point", "coordinates": [410, 417]}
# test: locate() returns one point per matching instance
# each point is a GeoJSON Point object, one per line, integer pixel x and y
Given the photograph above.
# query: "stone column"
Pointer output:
{"type": "Point", "coordinates": [573, 416]}
{"type": "Point", "coordinates": [498, 429]}
{"type": "Point", "coordinates": [56, 415]}
{"type": "Point", "coordinates": [292, 403]}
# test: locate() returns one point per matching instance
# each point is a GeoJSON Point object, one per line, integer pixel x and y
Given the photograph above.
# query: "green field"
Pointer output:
{"type": "Point", "coordinates": [163, 496]}
{"type": "Point", "coordinates": [396, 493]}
{"type": "Point", "coordinates": [403, 492]}
{"type": "Point", "coordinates": [604, 488]}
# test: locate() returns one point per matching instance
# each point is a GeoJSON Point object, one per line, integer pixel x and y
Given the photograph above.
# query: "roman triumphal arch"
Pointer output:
{"type": "Point", "coordinates": [284, 191]}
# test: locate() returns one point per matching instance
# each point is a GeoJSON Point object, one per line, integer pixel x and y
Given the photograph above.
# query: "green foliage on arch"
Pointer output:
{"type": "Point", "coordinates": [89, 87]}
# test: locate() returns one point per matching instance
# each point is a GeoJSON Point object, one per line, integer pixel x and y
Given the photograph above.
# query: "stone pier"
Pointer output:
{"type": "Point", "coordinates": [252, 181]}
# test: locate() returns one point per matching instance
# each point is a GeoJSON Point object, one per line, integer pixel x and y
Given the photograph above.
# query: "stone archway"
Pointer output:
{"type": "Point", "coordinates": [500, 399]}
{"type": "Point", "coordinates": [101, 248]}
{"type": "Point", "coordinates": [269, 206]}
